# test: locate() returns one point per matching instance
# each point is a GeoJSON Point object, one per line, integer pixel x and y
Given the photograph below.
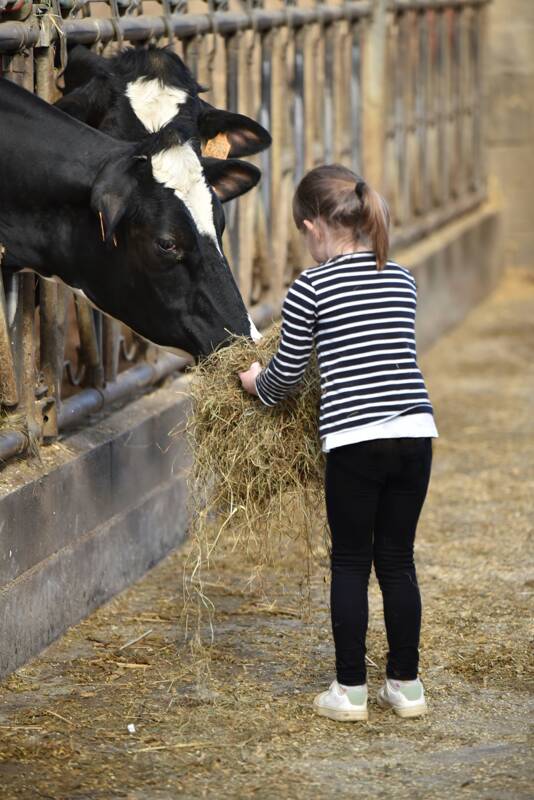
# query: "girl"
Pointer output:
{"type": "Point", "coordinates": [376, 426]}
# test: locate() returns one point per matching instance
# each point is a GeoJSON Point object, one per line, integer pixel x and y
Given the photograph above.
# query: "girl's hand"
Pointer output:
{"type": "Point", "coordinates": [248, 378]}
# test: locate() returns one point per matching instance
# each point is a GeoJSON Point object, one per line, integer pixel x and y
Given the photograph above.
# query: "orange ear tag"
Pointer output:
{"type": "Point", "coordinates": [218, 147]}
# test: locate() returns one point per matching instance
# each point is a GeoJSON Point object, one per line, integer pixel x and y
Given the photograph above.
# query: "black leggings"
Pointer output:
{"type": "Point", "coordinates": [374, 494]}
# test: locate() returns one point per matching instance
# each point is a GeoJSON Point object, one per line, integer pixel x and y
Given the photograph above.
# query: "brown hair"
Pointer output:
{"type": "Point", "coordinates": [344, 200]}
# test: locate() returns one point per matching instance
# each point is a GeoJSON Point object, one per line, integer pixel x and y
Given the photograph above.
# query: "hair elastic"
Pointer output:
{"type": "Point", "coordinates": [360, 186]}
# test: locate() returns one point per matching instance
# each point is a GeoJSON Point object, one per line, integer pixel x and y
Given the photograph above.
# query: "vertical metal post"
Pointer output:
{"type": "Point", "coordinates": [373, 92]}
{"type": "Point", "coordinates": [51, 295]}
{"type": "Point", "coordinates": [28, 376]}
{"type": "Point", "coordinates": [110, 348]}
{"type": "Point", "coordinates": [279, 188]}
{"type": "Point", "coordinates": [355, 72]}
{"type": "Point", "coordinates": [232, 44]}
{"type": "Point", "coordinates": [327, 104]}
{"type": "Point", "coordinates": [89, 348]}
{"type": "Point", "coordinates": [478, 34]}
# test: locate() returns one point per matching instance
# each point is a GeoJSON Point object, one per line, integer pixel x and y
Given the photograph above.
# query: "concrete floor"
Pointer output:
{"type": "Point", "coordinates": [236, 721]}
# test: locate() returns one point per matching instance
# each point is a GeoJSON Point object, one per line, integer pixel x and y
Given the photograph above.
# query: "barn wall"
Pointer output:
{"type": "Point", "coordinates": [454, 269]}
{"type": "Point", "coordinates": [510, 121]}
{"type": "Point", "coordinates": [111, 501]}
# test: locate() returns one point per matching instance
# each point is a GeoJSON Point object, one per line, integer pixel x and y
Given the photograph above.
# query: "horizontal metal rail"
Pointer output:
{"type": "Point", "coordinates": [437, 5]}
{"type": "Point", "coordinates": [436, 220]}
{"type": "Point", "coordinates": [12, 443]}
{"type": "Point", "coordinates": [17, 35]}
{"type": "Point", "coordinates": [128, 383]}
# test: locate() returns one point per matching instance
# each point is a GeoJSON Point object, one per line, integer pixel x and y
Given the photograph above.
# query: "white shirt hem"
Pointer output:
{"type": "Point", "coordinates": [406, 426]}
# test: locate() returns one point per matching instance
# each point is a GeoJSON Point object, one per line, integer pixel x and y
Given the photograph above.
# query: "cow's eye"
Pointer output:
{"type": "Point", "coordinates": [166, 245]}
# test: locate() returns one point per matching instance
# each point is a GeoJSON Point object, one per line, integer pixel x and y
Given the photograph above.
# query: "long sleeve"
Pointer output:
{"type": "Point", "coordinates": [287, 367]}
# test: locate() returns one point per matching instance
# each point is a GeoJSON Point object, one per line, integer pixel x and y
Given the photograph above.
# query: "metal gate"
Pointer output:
{"type": "Point", "coordinates": [389, 88]}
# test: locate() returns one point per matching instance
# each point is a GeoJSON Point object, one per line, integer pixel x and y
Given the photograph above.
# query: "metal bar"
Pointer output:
{"type": "Point", "coordinates": [110, 348]}
{"type": "Point", "coordinates": [355, 115]}
{"type": "Point", "coordinates": [12, 443]}
{"type": "Point", "coordinates": [15, 36]}
{"type": "Point", "coordinates": [435, 220]}
{"type": "Point", "coordinates": [128, 383]}
{"type": "Point", "coordinates": [51, 295]}
{"type": "Point", "coordinates": [232, 46]}
{"type": "Point", "coordinates": [425, 5]}
{"type": "Point", "coordinates": [248, 101]}
{"type": "Point", "coordinates": [328, 93]}
{"type": "Point", "coordinates": [89, 350]}
{"type": "Point", "coordinates": [374, 84]}
{"type": "Point", "coordinates": [28, 375]}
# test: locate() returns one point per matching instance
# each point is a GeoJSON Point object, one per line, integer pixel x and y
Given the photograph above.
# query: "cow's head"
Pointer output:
{"type": "Point", "coordinates": [167, 197]}
{"type": "Point", "coordinates": [158, 209]}
{"type": "Point", "coordinates": [140, 91]}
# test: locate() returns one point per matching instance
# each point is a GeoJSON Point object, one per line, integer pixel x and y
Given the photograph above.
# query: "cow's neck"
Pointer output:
{"type": "Point", "coordinates": [57, 152]}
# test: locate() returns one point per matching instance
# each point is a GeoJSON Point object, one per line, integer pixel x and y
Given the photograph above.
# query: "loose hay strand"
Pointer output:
{"type": "Point", "coordinates": [257, 474]}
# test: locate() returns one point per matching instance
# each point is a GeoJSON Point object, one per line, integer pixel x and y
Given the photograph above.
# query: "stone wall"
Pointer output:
{"type": "Point", "coordinates": [509, 76]}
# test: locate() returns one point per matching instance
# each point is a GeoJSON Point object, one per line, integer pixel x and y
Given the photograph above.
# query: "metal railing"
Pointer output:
{"type": "Point", "coordinates": [394, 86]}
{"type": "Point", "coordinates": [434, 166]}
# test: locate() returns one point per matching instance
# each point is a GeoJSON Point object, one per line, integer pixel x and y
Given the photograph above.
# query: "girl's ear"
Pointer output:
{"type": "Point", "coordinates": [315, 229]}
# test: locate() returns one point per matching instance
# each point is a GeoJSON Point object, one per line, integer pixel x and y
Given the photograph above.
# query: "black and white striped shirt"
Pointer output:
{"type": "Point", "coordinates": [362, 322]}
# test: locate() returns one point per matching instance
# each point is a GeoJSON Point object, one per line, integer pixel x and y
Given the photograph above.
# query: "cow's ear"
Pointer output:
{"type": "Point", "coordinates": [89, 103]}
{"type": "Point", "coordinates": [113, 190]}
{"type": "Point", "coordinates": [229, 178]}
{"type": "Point", "coordinates": [245, 135]}
{"type": "Point", "coordinates": [82, 65]}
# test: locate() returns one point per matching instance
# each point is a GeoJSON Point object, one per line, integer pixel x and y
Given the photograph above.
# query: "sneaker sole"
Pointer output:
{"type": "Point", "coordinates": [340, 716]}
{"type": "Point", "coordinates": [405, 713]}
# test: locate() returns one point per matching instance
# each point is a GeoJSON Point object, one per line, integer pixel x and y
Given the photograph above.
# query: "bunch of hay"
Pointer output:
{"type": "Point", "coordinates": [257, 472]}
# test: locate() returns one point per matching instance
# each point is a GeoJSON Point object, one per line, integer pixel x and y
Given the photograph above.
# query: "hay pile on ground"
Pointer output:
{"type": "Point", "coordinates": [257, 472]}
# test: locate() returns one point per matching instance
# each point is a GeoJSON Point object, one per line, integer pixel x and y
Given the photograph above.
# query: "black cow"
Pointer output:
{"type": "Point", "coordinates": [135, 227]}
{"type": "Point", "coordinates": [139, 91]}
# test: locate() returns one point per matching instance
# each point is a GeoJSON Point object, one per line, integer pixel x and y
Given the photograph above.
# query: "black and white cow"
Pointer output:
{"type": "Point", "coordinates": [136, 227]}
{"type": "Point", "coordinates": [139, 91]}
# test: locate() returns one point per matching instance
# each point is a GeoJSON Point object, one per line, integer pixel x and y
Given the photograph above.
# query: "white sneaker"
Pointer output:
{"type": "Point", "coordinates": [342, 703]}
{"type": "Point", "coordinates": [406, 698]}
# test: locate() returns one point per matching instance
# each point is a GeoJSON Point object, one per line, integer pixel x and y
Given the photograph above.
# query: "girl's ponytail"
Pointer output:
{"type": "Point", "coordinates": [373, 221]}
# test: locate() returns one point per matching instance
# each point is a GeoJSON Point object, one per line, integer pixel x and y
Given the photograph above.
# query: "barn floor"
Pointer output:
{"type": "Point", "coordinates": [240, 725]}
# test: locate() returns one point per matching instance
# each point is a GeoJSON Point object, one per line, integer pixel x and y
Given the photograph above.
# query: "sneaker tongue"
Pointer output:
{"type": "Point", "coordinates": [356, 695]}
{"type": "Point", "coordinates": [411, 691]}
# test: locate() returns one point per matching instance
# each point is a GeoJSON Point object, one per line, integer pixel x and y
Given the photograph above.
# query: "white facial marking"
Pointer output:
{"type": "Point", "coordinates": [179, 169]}
{"type": "Point", "coordinates": [154, 103]}
{"type": "Point", "coordinates": [255, 335]}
